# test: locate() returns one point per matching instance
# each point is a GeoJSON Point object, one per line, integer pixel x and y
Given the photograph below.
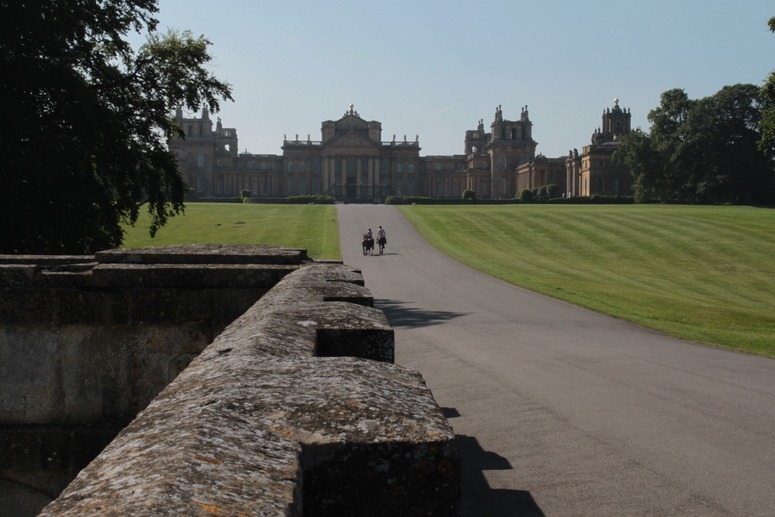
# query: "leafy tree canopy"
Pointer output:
{"type": "Point", "coordinates": [702, 151]}
{"type": "Point", "coordinates": [85, 120]}
{"type": "Point", "coordinates": [767, 143]}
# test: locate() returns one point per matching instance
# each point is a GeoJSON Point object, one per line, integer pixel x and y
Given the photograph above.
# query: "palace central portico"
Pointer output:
{"type": "Point", "coordinates": [352, 162]}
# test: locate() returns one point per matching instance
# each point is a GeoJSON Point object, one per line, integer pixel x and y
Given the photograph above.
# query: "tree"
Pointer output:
{"type": "Point", "coordinates": [767, 143]}
{"type": "Point", "coordinates": [655, 159]}
{"type": "Point", "coordinates": [701, 151]}
{"type": "Point", "coordinates": [639, 154]}
{"type": "Point", "coordinates": [724, 161]}
{"type": "Point", "coordinates": [668, 135]}
{"type": "Point", "coordinates": [85, 120]}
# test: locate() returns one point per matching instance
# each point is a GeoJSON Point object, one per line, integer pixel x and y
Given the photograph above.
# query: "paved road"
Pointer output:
{"type": "Point", "coordinates": [562, 411]}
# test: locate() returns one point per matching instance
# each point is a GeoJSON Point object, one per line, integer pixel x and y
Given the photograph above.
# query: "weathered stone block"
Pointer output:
{"type": "Point", "coordinates": [309, 437]}
{"type": "Point", "coordinates": [245, 276]}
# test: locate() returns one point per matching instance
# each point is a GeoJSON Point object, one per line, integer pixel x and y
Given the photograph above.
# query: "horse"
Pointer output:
{"type": "Point", "coordinates": [368, 244]}
{"type": "Point", "coordinates": [381, 241]}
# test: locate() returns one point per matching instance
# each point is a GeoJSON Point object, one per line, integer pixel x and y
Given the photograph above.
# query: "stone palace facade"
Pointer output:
{"type": "Point", "coordinates": [352, 162]}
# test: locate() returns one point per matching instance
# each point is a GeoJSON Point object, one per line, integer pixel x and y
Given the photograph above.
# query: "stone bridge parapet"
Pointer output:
{"type": "Point", "coordinates": [295, 408]}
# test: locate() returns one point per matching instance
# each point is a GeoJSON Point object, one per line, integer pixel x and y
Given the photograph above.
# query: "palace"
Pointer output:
{"type": "Point", "coordinates": [352, 162]}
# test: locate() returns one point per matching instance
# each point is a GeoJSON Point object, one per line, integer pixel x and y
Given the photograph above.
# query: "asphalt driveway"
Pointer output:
{"type": "Point", "coordinates": [562, 411]}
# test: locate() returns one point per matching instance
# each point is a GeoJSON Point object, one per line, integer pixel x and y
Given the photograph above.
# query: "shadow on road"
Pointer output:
{"type": "Point", "coordinates": [399, 315]}
{"type": "Point", "coordinates": [478, 498]}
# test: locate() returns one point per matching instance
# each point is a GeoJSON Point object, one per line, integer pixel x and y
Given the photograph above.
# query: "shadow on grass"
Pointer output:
{"type": "Point", "coordinates": [399, 315]}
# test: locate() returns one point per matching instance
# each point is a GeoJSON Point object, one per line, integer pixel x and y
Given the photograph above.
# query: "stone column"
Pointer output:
{"type": "Point", "coordinates": [325, 174]}
{"type": "Point", "coordinates": [343, 171]}
{"type": "Point", "coordinates": [370, 175]}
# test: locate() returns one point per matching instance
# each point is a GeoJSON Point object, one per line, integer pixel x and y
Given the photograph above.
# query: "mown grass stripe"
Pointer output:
{"type": "Point", "coordinates": [702, 273]}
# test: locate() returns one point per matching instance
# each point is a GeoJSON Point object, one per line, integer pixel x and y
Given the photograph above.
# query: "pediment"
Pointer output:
{"type": "Point", "coordinates": [352, 140]}
{"type": "Point", "coordinates": [351, 122]}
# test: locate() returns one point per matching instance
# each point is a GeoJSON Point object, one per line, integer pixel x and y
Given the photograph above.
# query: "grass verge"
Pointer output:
{"type": "Point", "coordinates": [701, 273]}
{"type": "Point", "coordinates": [313, 227]}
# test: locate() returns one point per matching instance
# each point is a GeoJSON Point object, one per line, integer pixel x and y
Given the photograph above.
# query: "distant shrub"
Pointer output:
{"type": "Point", "coordinates": [611, 199]}
{"type": "Point", "coordinates": [407, 200]}
{"type": "Point", "coordinates": [469, 194]}
{"type": "Point", "coordinates": [552, 191]}
{"type": "Point", "coordinates": [526, 196]}
{"type": "Point", "coordinates": [316, 199]}
{"type": "Point", "coordinates": [595, 199]}
{"type": "Point", "coordinates": [213, 199]}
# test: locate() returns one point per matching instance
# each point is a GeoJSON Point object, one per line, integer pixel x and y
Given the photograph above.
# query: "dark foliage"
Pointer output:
{"type": "Point", "coordinates": [702, 151]}
{"type": "Point", "coordinates": [526, 196]}
{"type": "Point", "coordinates": [310, 199]}
{"type": "Point", "coordinates": [85, 120]}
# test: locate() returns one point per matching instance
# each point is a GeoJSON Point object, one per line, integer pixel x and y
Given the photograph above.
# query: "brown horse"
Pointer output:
{"type": "Point", "coordinates": [381, 241]}
{"type": "Point", "coordinates": [368, 244]}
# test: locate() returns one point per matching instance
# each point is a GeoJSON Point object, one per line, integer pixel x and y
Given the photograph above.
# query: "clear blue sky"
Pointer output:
{"type": "Point", "coordinates": [433, 68]}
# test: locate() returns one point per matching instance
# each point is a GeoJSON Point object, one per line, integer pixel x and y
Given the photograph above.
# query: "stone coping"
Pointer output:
{"type": "Point", "coordinates": [204, 254]}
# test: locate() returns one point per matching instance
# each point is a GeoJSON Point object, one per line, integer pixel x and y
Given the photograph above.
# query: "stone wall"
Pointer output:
{"type": "Point", "coordinates": [86, 342]}
{"type": "Point", "coordinates": [295, 408]}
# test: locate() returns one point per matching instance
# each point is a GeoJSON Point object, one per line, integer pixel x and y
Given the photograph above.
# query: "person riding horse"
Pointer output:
{"type": "Point", "coordinates": [381, 239]}
{"type": "Point", "coordinates": [368, 244]}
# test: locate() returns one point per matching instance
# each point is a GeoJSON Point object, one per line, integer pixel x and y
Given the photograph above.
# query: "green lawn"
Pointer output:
{"type": "Point", "coordinates": [701, 273]}
{"type": "Point", "coordinates": [313, 227]}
